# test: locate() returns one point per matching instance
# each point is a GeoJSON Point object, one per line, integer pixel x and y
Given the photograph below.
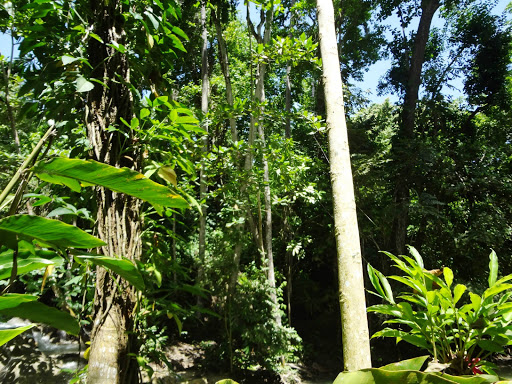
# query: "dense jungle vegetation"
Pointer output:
{"type": "Point", "coordinates": [169, 169]}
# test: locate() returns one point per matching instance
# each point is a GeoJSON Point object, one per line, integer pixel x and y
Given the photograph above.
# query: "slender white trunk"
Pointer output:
{"type": "Point", "coordinates": [202, 173]}
{"type": "Point", "coordinates": [354, 324]}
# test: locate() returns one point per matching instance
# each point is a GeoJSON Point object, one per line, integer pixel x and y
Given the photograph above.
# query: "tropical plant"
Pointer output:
{"type": "Point", "coordinates": [29, 242]}
{"type": "Point", "coordinates": [458, 333]}
{"type": "Point", "coordinates": [408, 371]}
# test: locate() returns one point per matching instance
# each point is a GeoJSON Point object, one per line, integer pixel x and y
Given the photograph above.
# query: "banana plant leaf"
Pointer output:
{"type": "Point", "coordinates": [123, 267]}
{"type": "Point", "coordinates": [77, 173]}
{"type": "Point", "coordinates": [40, 313]}
{"type": "Point", "coordinates": [50, 232]}
{"type": "Point", "coordinates": [9, 334]}
{"type": "Point", "coordinates": [27, 261]}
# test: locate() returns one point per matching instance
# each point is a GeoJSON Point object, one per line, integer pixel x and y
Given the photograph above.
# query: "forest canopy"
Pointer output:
{"type": "Point", "coordinates": [167, 175]}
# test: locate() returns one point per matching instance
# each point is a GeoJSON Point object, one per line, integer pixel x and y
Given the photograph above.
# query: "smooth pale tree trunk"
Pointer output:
{"type": "Point", "coordinates": [354, 324]}
{"type": "Point", "coordinates": [118, 217]}
{"type": "Point", "coordinates": [205, 88]}
{"type": "Point", "coordinates": [403, 145]}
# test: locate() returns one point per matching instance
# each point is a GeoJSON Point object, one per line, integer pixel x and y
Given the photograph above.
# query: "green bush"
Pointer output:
{"type": "Point", "coordinates": [460, 329]}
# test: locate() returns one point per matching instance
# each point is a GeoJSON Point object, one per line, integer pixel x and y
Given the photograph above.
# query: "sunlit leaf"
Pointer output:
{"type": "Point", "coordinates": [89, 172]}
{"type": "Point", "coordinates": [83, 85]}
{"type": "Point", "coordinates": [40, 313]}
{"type": "Point", "coordinates": [123, 267]}
{"type": "Point", "coordinates": [48, 231]}
{"type": "Point", "coordinates": [27, 262]}
{"type": "Point", "coordinates": [9, 334]}
{"type": "Point", "coordinates": [493, 268]}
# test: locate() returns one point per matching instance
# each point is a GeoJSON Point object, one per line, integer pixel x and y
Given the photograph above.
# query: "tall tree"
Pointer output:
{"type": "Point", "coordinates": [118, 220]}
{"type": "Point", "coordinates": [356, 344]}
{"type": "Point", "coordinates": [403, 146]}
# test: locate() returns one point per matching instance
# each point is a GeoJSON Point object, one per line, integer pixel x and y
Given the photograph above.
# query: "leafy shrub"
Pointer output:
{"type": "Point", "coordinates": [460, 331]}
{"type": "Point", "coordinates": [258, 339]}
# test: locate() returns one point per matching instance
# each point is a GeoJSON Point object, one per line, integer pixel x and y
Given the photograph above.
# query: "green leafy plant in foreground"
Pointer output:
{"type": "Point", "coordinates": [408, 371]}
{"type": "Point", "coordinates": [460, 329]}
{"type": "Point", "coordinates": [28, 242]}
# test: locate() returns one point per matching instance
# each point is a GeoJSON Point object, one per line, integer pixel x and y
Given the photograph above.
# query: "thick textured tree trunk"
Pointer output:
{"type": "Point", "coordinates": [354, 324]}
{"type": "Point", "coordinates": [202, 173]}
{"type": "Point", "coordinates": [404, 143]}
{"type": "Point", "coordinates": [118, 221]}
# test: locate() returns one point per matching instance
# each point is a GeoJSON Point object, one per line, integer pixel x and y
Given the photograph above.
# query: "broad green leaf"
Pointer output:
{"type": "Point", "coordinates": [12, 300]}
{"type": "Point", "coordinates": [385, 309]}
{"type": "Point", "coordinates": [448, 276]}
{"type": "Point", "coordinates": [39, 313]}
{"type": "Point", "coordinates": [226, 381]}
{"type": "Point", "coordinates": [83, 85]}
{"type": "Point", "coordinates": [493, 268]}
{"type": "Point", "coordinates": [89, 172]}
{"type": "Point", "coordinates": [68, 59]}
{"type": "Point", "coordinates": [51, 232]}
{"type": "Point", "coordinates": [475, 301]}
{"type": "Point", "coordinates": [382, 376]}
{"type": "Point", "coordinates": [458, 291]}
{"type": "Point", "coordinates": [418, 341]}
{"type": "Point", "coordinates": [167, 173]}
{"type": "Point", "coordinates": [375, 280]}
{"type": "Point", "coordinates": [123, 267]}
{"type": "Point", "coordinates": [9, 334]}
{"type": "Point", "coordinates": [489, 345]}
{"type": "Point", "coordinates": [414, 252]}
{"type": "Point", "coordinates": [414, 364]}
{"type": "Point", "coordinates": [144, 112]}
{"type": "Point", "coordinates": [495, 289]}
{"type": "Point", "coordinates": [27, 261]}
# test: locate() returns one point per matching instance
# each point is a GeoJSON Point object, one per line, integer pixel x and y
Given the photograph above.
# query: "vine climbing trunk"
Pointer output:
{"type": "Point", "coordinates": [118, 217]}
{"type": "Point", "coordinates": [354, 324]}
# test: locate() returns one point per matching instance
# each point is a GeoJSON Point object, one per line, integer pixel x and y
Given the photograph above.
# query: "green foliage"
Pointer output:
{"type": "Point", "coordinates": [8, 334]}
{"type": "Point", "coordinates": [408, 371]}
{"type": "Point", "coordinates": [75, 173]}
{"type": "Point", "coordinates": [458, 330]}
{"type": "Point", "coordinates": [258, 339]}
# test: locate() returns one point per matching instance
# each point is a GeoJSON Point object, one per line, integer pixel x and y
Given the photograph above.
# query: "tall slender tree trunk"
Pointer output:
{"type": "Point", "coordinates": [256, 126]}
{"type": "Point", "coordinates": [224, 63]}
{"type": "Point", "coordinates": [6, 71]}
{"type": "Point", "coordinates": [354, 324]}
{"type": "Point", "coordinates": [118, 218]}
{"type": "Point", "coordinates": [404, 147]}
{"type": "Point", "coordinates": [205, 88]}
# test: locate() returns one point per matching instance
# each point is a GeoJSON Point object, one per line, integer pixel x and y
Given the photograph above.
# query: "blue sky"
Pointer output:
{"type": "Point", "coordinates": [371, 77]}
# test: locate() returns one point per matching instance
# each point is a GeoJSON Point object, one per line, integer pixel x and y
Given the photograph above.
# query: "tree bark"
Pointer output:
{"type": "Point", "coordinates": [118, 217]}
{"type": "Point", "coordinates": [224, 63]}
{"type": "Point", "coordinates": [354, 324]}
{"type": "Point", "coordinates": [404, 147]}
